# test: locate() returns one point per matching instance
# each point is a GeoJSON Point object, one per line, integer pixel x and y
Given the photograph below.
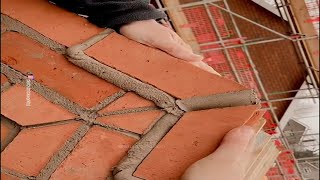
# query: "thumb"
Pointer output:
{"type": "Point", "coordinates": [235, 142]}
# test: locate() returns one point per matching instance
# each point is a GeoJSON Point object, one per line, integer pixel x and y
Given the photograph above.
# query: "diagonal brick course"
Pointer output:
{"type": "Point", "coordinates": [40, 110]}
{"type": "Point", "coordinates": [94, 157]}
{"type": "Point", "coordinates": [33, 148]}
{"type": "Point", "coordinates": [128, 101]}
{"type": "Point", "coordinates": [59, 25]}
{"type": "Point", "coordinates": [53, 70]}
{"type": "Point", "coordinates": [158, 68]}
{"type": "Point", "coordinates": [138, 122]}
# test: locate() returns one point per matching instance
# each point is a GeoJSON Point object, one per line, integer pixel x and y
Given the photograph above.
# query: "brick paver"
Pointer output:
{"type": "Point", "coordinates": [53, 70]}
{"type": "Point", "coordinates": [14, 106]}
{"type": "Point", "coordinates": [31, 150]}
{"type": "Point", "coordinates": [157, 68]}
{"type": "Point", "coordinates": [195, 136]}
{"type": "Point", "coordinates": [94, 156]}
{"type": "Point", "coordinates": [129, 101]}
{"type": "Point", "coordinates": [135, 122]}
{"type": "Point", "coordinates": [57, 24]}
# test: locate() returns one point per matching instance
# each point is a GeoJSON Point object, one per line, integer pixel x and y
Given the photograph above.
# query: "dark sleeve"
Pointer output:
{"type": "Point", "coordinates": [110, 13]}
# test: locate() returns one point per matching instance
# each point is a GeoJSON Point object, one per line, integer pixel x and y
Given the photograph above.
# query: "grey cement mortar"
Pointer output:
{"type": "Point", "coordinates": [231, 99]}
{"type": "Point", "coordinates": [16, 174]}
{"type": "Point", "coordinates": [110, 178]}
{"type": "Point", "coordinates": [5, 86]}
{"type": "Point", "coordinates": [52, 96]}
{"type": "Point", "coordinates": [126, 111]}
{"type": "Point", "coordinates": [57, 123]}
{"type": "Point", "coordinates": [78, 57]}
{"type": "Point", "coordinates": [126, 175]}
{"type": "Point", "coordinates": [62, 154]}
{"type": "Point", "coordinates": [108, 101]}
{"type": "Point", "coordinates": [118, 130]}
{"type": "Point", "coordinates": [14, 25]}
{"type": "Point", "coordinates": [142, 148]}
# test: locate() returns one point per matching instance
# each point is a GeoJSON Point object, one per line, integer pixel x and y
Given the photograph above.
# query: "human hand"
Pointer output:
{"type": "Point", "coordinates": [151, 33]}
{"type": "Point", "coordinates": [229, 162]}
{"type": "Point", "coordinates": [205, 67]}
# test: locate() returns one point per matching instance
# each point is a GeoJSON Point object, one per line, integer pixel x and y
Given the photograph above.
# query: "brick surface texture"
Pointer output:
{"type": "Point", "coordinates": [53, 70]}
{"type": "Point", "coordinates": [32, 148]}
{"type": "Point", "coordinates": [135, 122]}
{"type": "Point", "coordinates": [81, 126]}
{"type": "Point", "coordinates": [95, 155]}
{"type": "Point", "coordinates": [128, 101]}
{"type": "Point", "coordinates": [39, 110]}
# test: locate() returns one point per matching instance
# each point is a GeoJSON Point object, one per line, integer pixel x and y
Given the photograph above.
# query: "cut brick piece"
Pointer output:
{"type": "Point", "coordinates": [32, 149]}
{"type": "Point", "coordinates": [196, 135]}
{"type": "Point", "coordinates": [53, 70]}
{"type": "Point", "coordinates": [128, 101]}
{"type": "Point", "coordinates": [95, 155]}
{"type": "Point", "coordinates": [8, 131]}
{"type": "Point", "coordinates": [13, 106]}
{"type": "Point", "coordinates": [159, 69]}
{"type": "Point", "coordinates": [65, 27]}
{"type": "Point", "coordinates": [4, 79]}
{"type": "Point", "coordinates": [136, 122]}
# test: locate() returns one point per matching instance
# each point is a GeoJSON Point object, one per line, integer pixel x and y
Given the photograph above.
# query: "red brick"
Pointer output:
{"type": "Point", "coordinates": [135, 122]}
{"type": "Point", "coordinates": [4, 79]}
{"type": "Point", "coordinates": [53, 70]}
{"type": "Point", "coordinates": [159, 69]}
{"type": "Point", "coordinates": [196, 135]}
{"type": "Point", "coordinates": [55, 23]}
{"type": "Point", "coordinates": [8, 177]}
{"type": "Point", "coordinates": [32, 149]}
{"type": "Point", "coordinates": [40, 110]}
{"type": "Point", "coordinates": [94, 156]}
{"type": "Point", "coordinates": [128, 101]}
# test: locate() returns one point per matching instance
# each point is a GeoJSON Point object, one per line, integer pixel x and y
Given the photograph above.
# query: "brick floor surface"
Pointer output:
{"type": "Point", "coordinates": [87, 118]}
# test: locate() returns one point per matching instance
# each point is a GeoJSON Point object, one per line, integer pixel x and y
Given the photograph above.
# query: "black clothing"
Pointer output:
{"type": "Point", "coordinates": [111, 13]}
